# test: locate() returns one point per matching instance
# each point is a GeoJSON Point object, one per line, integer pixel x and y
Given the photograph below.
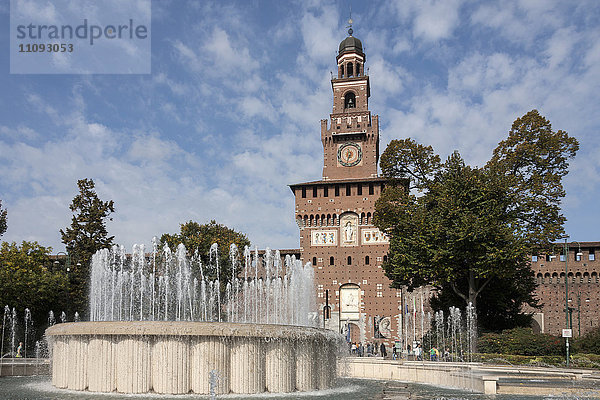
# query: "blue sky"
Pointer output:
{"type": "Point", "coordinates": [230, 114]}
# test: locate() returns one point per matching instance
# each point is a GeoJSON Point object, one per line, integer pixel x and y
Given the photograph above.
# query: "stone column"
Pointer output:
{"type": "Point", "coordinates": [280, 366]}
{"type": "Point", "coordinates": [171, 365]}
{"type": "Point", "coordinates": [326, 364]}
{"type": "Point", "coordinates": [247, 365]}
{"type": "Point", "coordinates": [133, 364]}
{"type": "Point", "coordinates": [60, 362]}
{"type": "Point", "coordinates": [210, 354]}
{"type": "Point", "coordinates": [306, 368]}
{"type": "Point", "coordinates": [78, 358]}
{"type": "Point", "coordinates": [101, 366]}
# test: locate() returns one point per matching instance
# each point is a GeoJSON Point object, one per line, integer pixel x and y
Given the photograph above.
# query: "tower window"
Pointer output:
{"type": "Point", "coordinates": [337, 190]}
{"type": "Point", "coordinates": [350, 69]}
{"type": "Point", "coordinates": [314, 261]}
{"type": "Point", "coordinates": [303, 192]}
{"type": "Point", "coordinates": [357, 69]}
{"type": "Point", "coordinates": [385, 258]}
{"type": "Point", "coordinates": [314, 191]}
{"type": "Point", "coordinates": [325, 191]}
{"type": "Point", "coordinates": [371, 189]}
{"type": "Point", "coordinates": [349, 260]}
{"type": "Point", "coordinates": [331, 260]}
{"type": "Point", "coordinates": [350, 100]}
{"type": "Point", "coordinates": [359, 189]}
{"type": "Point", "coordinates": [348, 192]}
{"type": "Point", "coordinates": [367, 260]}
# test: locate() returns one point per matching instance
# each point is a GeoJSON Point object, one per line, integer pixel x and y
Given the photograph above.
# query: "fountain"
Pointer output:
{"type": "Point", "coordinates": [163, 322]}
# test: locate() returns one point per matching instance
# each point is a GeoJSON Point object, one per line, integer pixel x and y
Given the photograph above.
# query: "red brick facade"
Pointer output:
{"type": "Point", "coordinates": [583, 287]}
{"type": "Point", "coordinates": [335, 214]}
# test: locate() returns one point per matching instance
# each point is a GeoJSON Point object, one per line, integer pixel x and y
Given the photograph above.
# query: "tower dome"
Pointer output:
{"type": "Point", "coordinates": [350, 45]}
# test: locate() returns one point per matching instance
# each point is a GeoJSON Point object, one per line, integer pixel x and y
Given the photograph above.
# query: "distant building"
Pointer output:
{"type": "Point", "coordinates": [583, 285]}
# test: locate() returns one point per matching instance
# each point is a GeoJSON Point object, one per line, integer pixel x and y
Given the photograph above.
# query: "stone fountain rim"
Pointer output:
{"type": "Point", "coordinates": [188, 328]}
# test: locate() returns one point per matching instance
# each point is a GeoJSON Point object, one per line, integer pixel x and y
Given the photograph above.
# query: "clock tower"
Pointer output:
{"type": "Point", "coordinates": [335, 214]}
{"type": "Point", "coordinates": [351, 135]}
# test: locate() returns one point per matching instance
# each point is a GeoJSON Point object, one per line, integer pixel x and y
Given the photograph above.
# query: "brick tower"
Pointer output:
{"type": "Point", "coordinates": [335, 214]}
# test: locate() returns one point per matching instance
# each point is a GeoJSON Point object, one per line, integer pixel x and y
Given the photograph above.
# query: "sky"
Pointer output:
{"type": "Point", "coordinates": [230, 114]}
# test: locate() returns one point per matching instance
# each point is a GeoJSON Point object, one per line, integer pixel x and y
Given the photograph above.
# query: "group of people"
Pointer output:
{"type": "Point", "coordinates": [371, 349]}
{"type": "Point", "coordinates": [434, 353]}
{"type": "Point", "coordinates": [374, 350]}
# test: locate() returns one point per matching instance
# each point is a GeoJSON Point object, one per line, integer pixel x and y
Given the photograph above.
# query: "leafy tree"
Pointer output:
{"type": "Point", "coordinates": [198, 239]}
{"type": "Point", "coordinates": [535, 159]}
{"type": "Point", "coordinates": [27, 280]}
{"type": "Point", "coordinates": [86, 235]}
{"type": "Point", "coordinates": [474, 226]}
{"type": "Point", "coordinates": [3, 219]}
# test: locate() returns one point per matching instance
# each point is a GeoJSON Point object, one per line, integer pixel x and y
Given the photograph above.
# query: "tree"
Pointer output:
{"type": "Point", "coordinates": [474, 226]}
{"type": "Point", "coordinates": [3, 219]}
{"type": "Point", "coordinates": [27, 280]}
{"type": "Point", "coordinates": [199, 238]}
{"type": "Point", "coordinates": [86, 235]}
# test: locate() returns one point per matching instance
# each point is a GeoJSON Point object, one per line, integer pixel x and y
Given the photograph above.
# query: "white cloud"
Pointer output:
{"type": "Point", "coordinates": [431, 20]}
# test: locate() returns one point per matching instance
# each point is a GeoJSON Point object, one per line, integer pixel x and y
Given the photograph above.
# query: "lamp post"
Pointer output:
{"type": "Point", "coordinates": [567, 309]}
{"type": "Point", "coordinates": [67, 261]}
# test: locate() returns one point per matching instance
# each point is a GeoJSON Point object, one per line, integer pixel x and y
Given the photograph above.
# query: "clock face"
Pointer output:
{"type": "Point", "coordinates": [349, 154]}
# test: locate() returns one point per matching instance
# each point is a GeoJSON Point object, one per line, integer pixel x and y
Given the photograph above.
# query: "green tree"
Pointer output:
{"type": "Point", "coordinates": [198, 239]}
{"type": "Point", "coordinates": [474, 226]}
{"type": "Point", "coordinates": [86, 235]}
{"type": "Point", "coordinates": [3, 219]}
{"type": "Point", "coordinates": [27, 280]}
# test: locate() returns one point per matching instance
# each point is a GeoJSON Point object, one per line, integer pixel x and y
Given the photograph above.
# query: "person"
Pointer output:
{"type": "Point", "coordinates": [20, 349]}
{"type": "Point", "coordinates": [353, 348]}
{"type": "Point", "coordinates": [419, 352]}
{"type": "Point", "coordinates": [382, 350]}
{"type": "Point", "coordinates": [433, 354]}
{"type": "Point", "coordinates": [447, 354]}
{"type": "Point", "coordinates": [361, 350]}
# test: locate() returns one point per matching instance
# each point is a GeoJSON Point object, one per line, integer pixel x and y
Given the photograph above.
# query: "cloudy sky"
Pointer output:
{"type": "Point", "coordinates": [230, 114]}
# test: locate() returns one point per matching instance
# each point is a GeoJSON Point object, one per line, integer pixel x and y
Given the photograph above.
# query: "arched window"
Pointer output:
{"type": "Point", "coordinates": [331, 260]}
{"type": "Point", "coordinates": [350, 69]}
{"type": "Point", "coordinates": [385, 258]}
{"type": "Point", "coordinates": [314, 261]}
{"type": "Point", "coordinates": [367, 260]}
{"type": "Point", "coordinates": [357, 69]}
{"type": "Point", "coordinates": [349, 260]}
{"type": "Point", "coordinates": [350, 100]}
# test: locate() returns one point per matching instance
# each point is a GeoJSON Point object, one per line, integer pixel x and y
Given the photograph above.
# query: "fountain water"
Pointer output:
{"type": "Point", "coordinates": [164, 322]}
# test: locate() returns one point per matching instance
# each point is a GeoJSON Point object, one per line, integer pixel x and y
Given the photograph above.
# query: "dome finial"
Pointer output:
{"type": "Point", "coordinates": [350, 31]}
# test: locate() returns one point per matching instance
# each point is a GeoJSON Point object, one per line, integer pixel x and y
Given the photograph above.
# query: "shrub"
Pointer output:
{"type": "Point", "coordinates": [521, 341]}
{"type": "Point", "coordinates": [589, 343]}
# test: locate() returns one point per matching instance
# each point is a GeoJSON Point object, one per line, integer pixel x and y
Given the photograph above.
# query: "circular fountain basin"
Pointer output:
{"type": "Point", "coordinates": [191, 357]}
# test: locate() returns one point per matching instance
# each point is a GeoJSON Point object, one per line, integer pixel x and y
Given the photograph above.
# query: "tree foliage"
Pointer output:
{"type": "Point", "coordinates": [535, 159]}
{"type": "Point", "coordinates": [472, 227]}
{"type": "Point", "coordinates": [3, 220]}
{"type": "Point", "coordinates": [27, 280]}
{"type": "Point", "coordinates": [86, 235]}
{"type": "Point", "coordinates": [198, 239]}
